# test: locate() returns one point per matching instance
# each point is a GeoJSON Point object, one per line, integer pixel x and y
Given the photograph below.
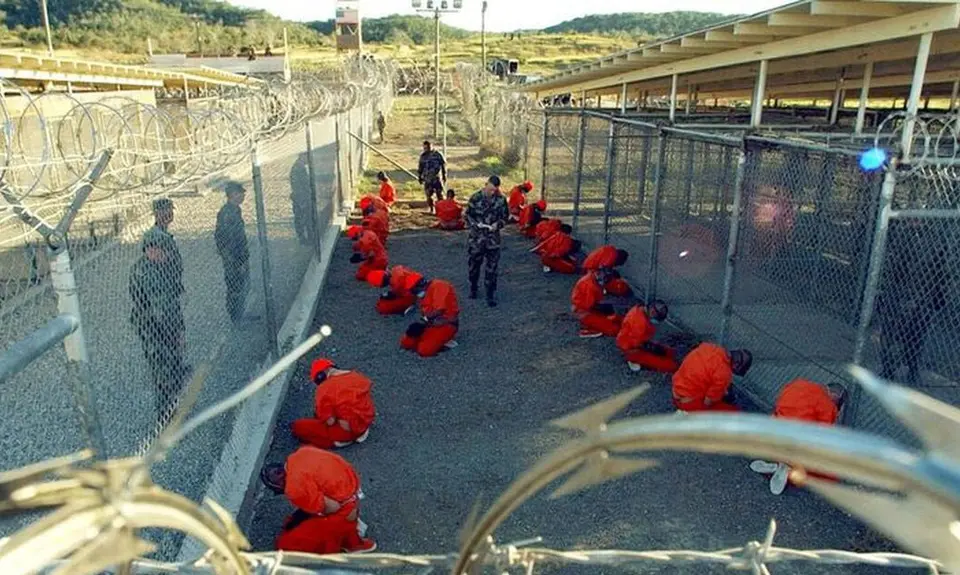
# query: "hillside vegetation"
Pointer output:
{"type": "Point", "coordinates": [640, 24]}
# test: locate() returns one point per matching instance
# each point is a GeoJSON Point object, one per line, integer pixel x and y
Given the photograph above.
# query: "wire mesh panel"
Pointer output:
{"type": "Point", "coordinates": [631, 200]}
{"type": "Point", "coordinates": [591, 199]}
{"type": "Point", "coordinates": [533, 149]}
{"type": "Point", "coordinates": [560, 181]}
{"type": "Point", "coordinates": [805, 227]}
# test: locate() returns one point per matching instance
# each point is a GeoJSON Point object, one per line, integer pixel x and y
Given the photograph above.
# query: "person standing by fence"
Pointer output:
{"type": "Point", "coordinates": [487, 213]}
{"type": "Point", "coordinates": [432, 173]}
{"type": "Point", "coordinates": [231, 238]}
{"type": "Point", "coordinates": [381, 125]}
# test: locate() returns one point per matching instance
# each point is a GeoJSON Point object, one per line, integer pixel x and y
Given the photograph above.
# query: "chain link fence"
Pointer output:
{"type": "Point", "coordinates": [165, 270]}
{"type": "Point", "coordinates": [766, 243]}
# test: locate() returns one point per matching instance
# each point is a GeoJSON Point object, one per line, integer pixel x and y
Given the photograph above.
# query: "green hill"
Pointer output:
{"type": "Point", "coordinates": [660, 25]}
{"type": "Point", "coordinates": [397, 29]}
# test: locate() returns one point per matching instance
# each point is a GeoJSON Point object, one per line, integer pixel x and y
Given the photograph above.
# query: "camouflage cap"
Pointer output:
{"type": "Point", "coordinates": [162, 205]}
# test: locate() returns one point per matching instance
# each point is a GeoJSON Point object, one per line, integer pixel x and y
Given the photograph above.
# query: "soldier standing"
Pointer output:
{"type": "Point", "coordinates": [158, 319]}
{"type": "Point", "coordinates": [432, 173]}
{"type": "Point", "coordinates": [231, 238]}
{"type": "Point", "coordinates": [381, 124]}
{"type": "Point", "coordinates": [163, 217]}
{"type": "Point", "coordinates": [487, 213]}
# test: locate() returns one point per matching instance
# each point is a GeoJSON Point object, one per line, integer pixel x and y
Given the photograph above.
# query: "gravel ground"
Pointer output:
{"type": "Point", "coordinates": [462, 426]}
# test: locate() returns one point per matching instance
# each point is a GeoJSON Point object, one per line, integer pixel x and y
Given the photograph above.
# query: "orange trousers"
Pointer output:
{"type": "Point", "coordinates": [559, 265]}
{"type": "Point", "coordinates": [367, 267]}
{"type": "Point", "coordinates": [451, 226]}
{"type": "Point", "coordinates": [431, 341]}
{"type": "Point", "coordinates": [318, 433]}
{"type": "Point", "coordinates": [529, 232]}
{"type": "Point", "coordinates": [648, 360]}
{"type": "Point", "coordinates": [608, 325]}
{"type": "Point", "coordinates": [618, 287]}
{"type": "Point", "coordinates": [321, 535]}
{"type": "Point", "coordinates": [397, 305]}
{"type": "Point", "coordinates": [698, 405]}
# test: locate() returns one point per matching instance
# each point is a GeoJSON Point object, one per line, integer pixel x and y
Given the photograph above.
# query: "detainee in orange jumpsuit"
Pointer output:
{"type": "Point", "coordinates": [367, 251]}
{"type": "Point", "coordinates": [808, 401]}
{"type": "Point", "coordinates": [558, 252]}
{"type": "Point", "coordinates": [702, 383]}
{"type": "Point", "coordinates": [635, 339]}
{"type": "Point", "coordinates": [325, 489]}
{"type": "Point", "coordinates": [597, 318]}
{"type": "Point", "coordinates": [530, 216]}
{"type": "Point", "coordinates": [518, 198]}
{"type": "Point", "coordinates": [449, 213]}
{"type": "Point", "coordinates": [378, 222]}
{"type": "Point", "coordinates": [375, 202]}
{"type": "Point", "coordinates": [388, 193]}
{"type": "Point", "coordinates": [343, 408]}
{"type": "Point", "coordinates": [546, 228]}
{"type": "Point", "coordinates": [399, 284]}
{"type": "Point", "coordinates": [607, 258]}
{"type": "Point", "coordinates": [441, 319]}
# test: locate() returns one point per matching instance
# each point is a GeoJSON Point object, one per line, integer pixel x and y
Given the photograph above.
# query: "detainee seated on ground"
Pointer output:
{"type": "Point", "coordinates": [367, 251]}
{"type": "Point", "coordinates": [377, 222]}
{"type": "Point", "coordinates": [440, 320]}
{"type": "Point", "coordinates": [375, 202]}
{"type": "Point", "coordinates": [558, 253]}
{"type": "Point", "coordinates": [597, 318]}
{"type": "Point", "coordinates": [704, 379]}
{"type": "Point", "coordinates": [803, 400]}
{"type": "Point", "coordinates": [546, 228]}
{"type": "Point", "coordinates": [635, 339]}
{"type": "Point", "coordinates": [326, 492]}
{"type": "Point", "coordinates": [342, 406]}
{"type": "Point", "coordinates": [450, 213]}
{"type": "Point", "coordinates": [608, 258]}
{"type": "Point", "coordinates": [399, 286]}
{"type": "Point", "coordinates": [518, 198]}
{"type": "Point", "coordinates": [530, 216]}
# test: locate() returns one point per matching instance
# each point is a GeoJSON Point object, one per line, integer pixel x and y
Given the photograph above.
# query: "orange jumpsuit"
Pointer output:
{"type": "Point", "coordinates": [605, 257]}
{"type": "Point", "coordinates": [378, 204]}
{"type": "Point", "coordinates": [370, 247]}
{"type": "Point", "coordinates": [344, 397]}
{"type": "Point", "coordinates": [516, 201]}
{"type": "Point", "coordinates": [807, 401]}
{"type": "Point", "coordinates": [402, 281]}
{"type": "Point", "coordinates": [439, 305]}
{"type": "Point", "coordinates": [379, 223]}
{"type": "Point", "coordinates": [450, 214]}
{"type": "Point", "coordinates": [545, 229]}
{"type": "Point", "coordinates": [556, 254]}
{"type": "Point", "coordinates": [587, 294]}
{"type": "Point", "coordinates": [705, 374]}
{"type": "Point", "coordinates": [388, 193]}
{"type": "Point", "coordinates": [326, 490]}
{"type": "Point", "coordinates": [637, 330]}
{"type": "Point", "coordinates": [528, 220]}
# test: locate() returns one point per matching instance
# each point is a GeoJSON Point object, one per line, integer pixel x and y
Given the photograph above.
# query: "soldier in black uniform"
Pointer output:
{"type": "Point", "coordinates": [231, 238]}
{"type": "Point", "coordinates": [432, 173]}
{"type": "Point", "coordinates": [486, 215]}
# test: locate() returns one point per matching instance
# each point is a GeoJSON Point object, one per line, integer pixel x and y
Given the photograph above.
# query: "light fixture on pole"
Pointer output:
{"type": "Point", "coordinates": [483, 36]}
{"type": "Point", "coordinates": [437, 7]}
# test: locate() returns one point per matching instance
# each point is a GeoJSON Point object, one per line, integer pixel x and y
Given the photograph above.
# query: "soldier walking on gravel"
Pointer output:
{"type": "Point", "coordinates": [231, 239]}
{"type": "Point", "coordinates": [432, 173]}
{"type": "Point", "coordinates": [487, 213]}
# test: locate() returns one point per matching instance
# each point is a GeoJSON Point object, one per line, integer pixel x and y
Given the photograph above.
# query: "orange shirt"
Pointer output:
{"type": "Point", "coordinates": [440, 301]}
{"type": "Point", "coordinates": [602, 257]}
{"type": "Point", "coordinates": [387, 192]}
{"type": "Point", "coordinates": [377, 203]}
{"type": "Point", "coordinates": [345, 396]}
{"type": "Point", "coordinates": [403, 279]}
{"type": "Point", "coordinates": [516, 200]}
{"type": "Point", "coordinates": [449, 211]}
{"type": "Point", "coordinates": [369, 245]}
{"type": "Point", "coordinates": [705, 373]}
{"type": "Point", "coordinates": [526, 216]}
{"type": "Point", "coordinates": [557, 246]}
{"type": "Point", "coordinates": [377, 223]}
{"type": "Point", "coordinates": [636, 329]}
{"type": "Point", "coordinates": [313, 474]}
{"type": "Point", "coordinates": [546, 228]}
{"type": "Point", "coordinates": [587, 293]}
{"type": "Point", "coordinates": [805, 400]}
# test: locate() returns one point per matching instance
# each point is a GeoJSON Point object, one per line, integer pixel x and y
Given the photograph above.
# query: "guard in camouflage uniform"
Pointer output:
{"type": "Point", "coordinates": [432, 173]}
{"type": "Point", "coordinates": [231, 238]}
{"type": "Point", "coordinates": [487, 213]}
{"type": "Point", "coordinates": [158, 318]}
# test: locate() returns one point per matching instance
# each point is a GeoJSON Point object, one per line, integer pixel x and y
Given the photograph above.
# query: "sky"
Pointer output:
{"type": "Point", "coordinates": [507, 15]}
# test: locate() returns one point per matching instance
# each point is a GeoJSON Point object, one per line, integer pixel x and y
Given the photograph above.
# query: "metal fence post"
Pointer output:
{"type": "Point", "coordinates": [611, 161]}
{"type": "Point", "coordinates": [872, 284]}
{"type": "Point", "coordinates": [726, 300]}
{"type": "Point", "coordinates": [655, 215]}
{"type": "Point", "coordinates": [642, 170]}
{"type": "Point", "coordinates": [350, 164]}
{"type": "Point", "coordinates": [268, 303]}
{"type": "Point", "coordinates": [543, 160]}
{"type": "Point", "coordinates": [581, 136]}
{"type": "Point", "coordinates": [341, 198]}
{"type": "Point", "coordinates": [688, 179]}
{"type": "Point", "coordinates": [526, 152]}
{"type": "Point", "coordinates": [314, 189]}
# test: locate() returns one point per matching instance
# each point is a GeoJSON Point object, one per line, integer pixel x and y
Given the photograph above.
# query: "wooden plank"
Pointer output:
{"type": "Point", "coordinates": [764, 30]}
{"type": "Point", "coordinates": [815, 21]}
{"type": "Point", "coordinates": [831, 8]}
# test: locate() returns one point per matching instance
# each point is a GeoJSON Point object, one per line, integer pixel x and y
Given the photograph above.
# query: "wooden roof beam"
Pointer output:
{"type": "Point", "coordinates": [682, 50]}
{"type": "Point", "coordinates": [690, 42]}
{"type": "Point", "coordinates": [722, 36]}
{"type": "Point", "coordinates": [751, 29]}
{"type": "Point", "coordinates": [814, 20]}
{"type": "Point", "coordinates": [874, 9]}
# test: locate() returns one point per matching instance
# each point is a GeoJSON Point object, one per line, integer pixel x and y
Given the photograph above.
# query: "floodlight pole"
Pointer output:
{"type": "Point", "coordinates": [436, 75]}
{"type": "Point", "coordinates": [483, 36]}
{"type": "Point", "coordinates": [46, 26]}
